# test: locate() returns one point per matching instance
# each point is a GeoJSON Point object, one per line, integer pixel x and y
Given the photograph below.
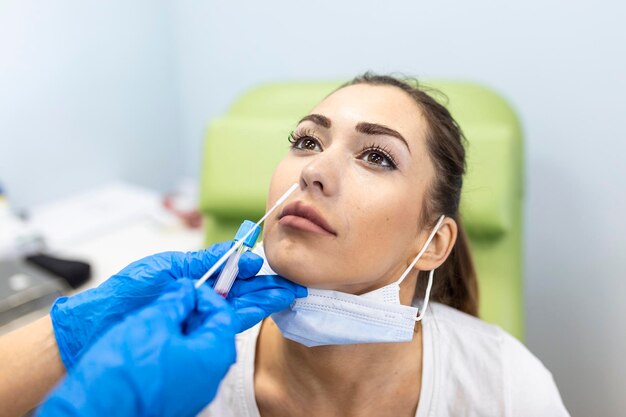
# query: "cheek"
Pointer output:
{"type": "Point", "coordinates": [382, 232]}
{"type": "Point", "coordinates": [286, 173]}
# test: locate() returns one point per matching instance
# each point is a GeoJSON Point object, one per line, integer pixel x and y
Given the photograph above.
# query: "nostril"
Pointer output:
{"type": "Point", "coordinates": [319, 184]}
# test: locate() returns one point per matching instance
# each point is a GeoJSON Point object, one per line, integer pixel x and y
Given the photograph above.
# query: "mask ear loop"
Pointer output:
{"type": "Point", "coordinates": [426, 296]}
{"type": "Point", "coordinates": [419, 255]}
{"type": "Point", "coordinates": [432, 272]}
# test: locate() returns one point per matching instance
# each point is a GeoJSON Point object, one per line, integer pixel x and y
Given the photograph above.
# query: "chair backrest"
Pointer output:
{"type": "Point", "coordinates": [243, 147]}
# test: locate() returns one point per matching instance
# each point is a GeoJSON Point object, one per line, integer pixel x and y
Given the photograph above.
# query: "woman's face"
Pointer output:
{"type": "Point", "coordinates": [361, 161]}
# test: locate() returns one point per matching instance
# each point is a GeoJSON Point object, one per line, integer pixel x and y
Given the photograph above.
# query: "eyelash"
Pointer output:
{"type": "Point", "coordinates": [384, 151]}
{"type": "Point", "coordinates": [295, 139]}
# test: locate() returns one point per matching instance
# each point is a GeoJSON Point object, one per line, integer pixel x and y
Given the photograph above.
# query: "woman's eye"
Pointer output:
{"type": "Point", "coordinates": [307, 143]}
{"type": "Point", "coordinates": [377, 158]}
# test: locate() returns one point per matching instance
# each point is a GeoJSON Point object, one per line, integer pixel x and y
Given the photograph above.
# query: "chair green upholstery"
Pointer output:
{"type": "Point", "coordinates": [243, 147]}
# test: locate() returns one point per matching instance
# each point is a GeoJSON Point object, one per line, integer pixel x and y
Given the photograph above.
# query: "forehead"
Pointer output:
{"type": "Point", "coordinates": [381, 104]}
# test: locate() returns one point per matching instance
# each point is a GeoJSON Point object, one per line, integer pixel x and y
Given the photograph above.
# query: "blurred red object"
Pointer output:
{"type": "Point", "coordinates": [191, 218]}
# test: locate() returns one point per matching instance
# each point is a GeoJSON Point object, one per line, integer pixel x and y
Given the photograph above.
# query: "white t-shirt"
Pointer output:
{"type": "Point", "coordinates": [469, 368]}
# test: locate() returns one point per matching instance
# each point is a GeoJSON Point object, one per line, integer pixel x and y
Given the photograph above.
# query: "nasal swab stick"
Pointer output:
{"type": "Point", "coordinates": [237, 244]}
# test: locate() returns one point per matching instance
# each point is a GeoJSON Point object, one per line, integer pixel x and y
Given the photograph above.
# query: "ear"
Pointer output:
{"type": "Point", "coordinates": [440, 247]}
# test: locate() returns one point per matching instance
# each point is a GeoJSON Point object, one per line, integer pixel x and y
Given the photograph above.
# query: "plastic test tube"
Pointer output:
{"type": "Point", "coordinates": [229, 273]}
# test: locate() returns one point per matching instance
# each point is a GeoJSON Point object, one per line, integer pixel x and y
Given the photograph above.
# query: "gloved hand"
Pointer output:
{"type": "Point", "coordinates": [254, 299]}
{"type": "Point", "coordinates": [165, 360]}
{"type": "Point", "coordinates": [79, 320]}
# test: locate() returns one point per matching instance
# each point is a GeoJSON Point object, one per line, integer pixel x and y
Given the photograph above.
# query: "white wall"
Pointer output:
{"type": "Point", "coordinates": [562, 64]}
{"type": "Point", "coordinates": [88, 93]}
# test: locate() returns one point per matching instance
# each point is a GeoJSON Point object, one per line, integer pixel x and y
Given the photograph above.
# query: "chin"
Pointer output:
{"type": "Point", "coordinates": [284, 260]}
{"type": "Point", "coordinates": [289, 269]}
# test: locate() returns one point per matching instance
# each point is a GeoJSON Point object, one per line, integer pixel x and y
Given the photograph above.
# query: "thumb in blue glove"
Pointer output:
{"type": "Point", "coordinates": [167, 359]}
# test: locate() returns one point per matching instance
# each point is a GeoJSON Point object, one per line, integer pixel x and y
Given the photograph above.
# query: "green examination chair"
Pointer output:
{"type": "Point", "coordinates": [243, 147]}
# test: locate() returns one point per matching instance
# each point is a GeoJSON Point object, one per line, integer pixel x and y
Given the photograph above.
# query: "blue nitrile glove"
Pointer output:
{"type": "Point", "coordinates": [78, 321]}
{"type": "Point", "coordinates": [254, 299]}
{"type": "Point", "coordinates": [165, 360]}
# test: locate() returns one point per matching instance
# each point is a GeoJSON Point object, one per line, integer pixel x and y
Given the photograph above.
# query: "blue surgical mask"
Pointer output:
{"type": "Point", "coordinates": [327, 317]}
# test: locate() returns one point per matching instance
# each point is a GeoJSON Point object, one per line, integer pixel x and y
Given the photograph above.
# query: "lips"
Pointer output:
{"type": "Point", "coordinates": [301, 216]}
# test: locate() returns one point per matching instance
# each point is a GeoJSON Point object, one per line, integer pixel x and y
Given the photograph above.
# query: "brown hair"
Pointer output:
{"type": "Point", "coordinates": [455, 282]}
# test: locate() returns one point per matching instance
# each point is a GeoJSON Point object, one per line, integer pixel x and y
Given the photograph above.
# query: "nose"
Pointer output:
{"type": "Point", "coordinates": [321, 174]}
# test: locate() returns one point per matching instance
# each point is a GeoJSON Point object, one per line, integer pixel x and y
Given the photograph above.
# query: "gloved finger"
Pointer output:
{"type": "Point", "coordinates": [249, 265]}
{"type": "Point", "coordinates": [195, 264]}
{"type": "Point", "coordinates": [269, 294]}
{"type": "Point", "coordinates": [209, 301]}
{"type": "Point", "coordinates": [264, 282]}
{"type": "Point", "coordinates": [175, 305]}
{"type": "Point", "coordinates": [206, 339]}
{"type": "Point", "coordinates": [214, 324]}
{"type": "Point", "coordinates": [254, 307]}
{"type": "Point", "coordinates": [211, 311]}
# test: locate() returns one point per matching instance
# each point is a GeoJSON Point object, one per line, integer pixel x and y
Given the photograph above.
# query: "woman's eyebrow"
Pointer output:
{"type": "Point", "coordinates": [317, 119]}
{"type": "Point", "coordinates": [376, 129]}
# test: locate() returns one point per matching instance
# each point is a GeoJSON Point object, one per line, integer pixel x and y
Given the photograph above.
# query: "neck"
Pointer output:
{"type": "Point", "coordinates": [343, 379]}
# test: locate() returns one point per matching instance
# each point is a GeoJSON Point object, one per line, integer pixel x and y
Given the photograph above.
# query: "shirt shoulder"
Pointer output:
{"type": "Point", "coordinates": [533, 391]}
{"type": "Point", "coordinates": [491, 370]}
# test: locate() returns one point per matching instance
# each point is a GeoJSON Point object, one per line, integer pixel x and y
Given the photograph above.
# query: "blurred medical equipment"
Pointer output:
{"type": "Point", "coordinates": [30, 279]}
{"type": "Point", "coordinates": [93, 226]}
{"type": "Point", "coordinates": [244, 239]}
{"type": "Point", "coordinates": [226, 278]}
{"type": "Point", "coordinates": [255, 128]}
{"type": "Point", "coordinates": [25, 289]}
{"type": "Point", "coordinates": [17, 237]}
{"type": "Point", "coordinates": [183, 203]}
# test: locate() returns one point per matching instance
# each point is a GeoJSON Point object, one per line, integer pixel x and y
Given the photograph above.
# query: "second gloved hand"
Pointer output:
{"type": "Point", "coordinates": [165, 360]}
